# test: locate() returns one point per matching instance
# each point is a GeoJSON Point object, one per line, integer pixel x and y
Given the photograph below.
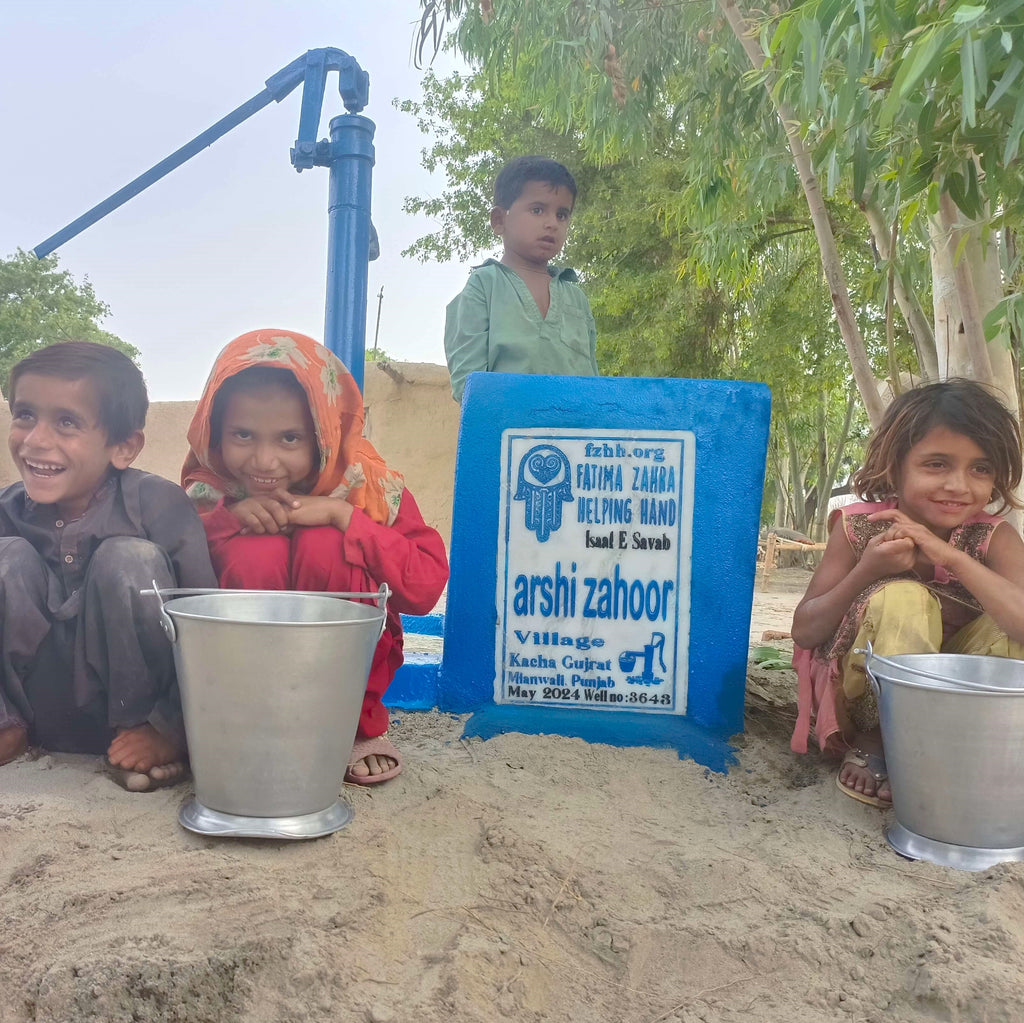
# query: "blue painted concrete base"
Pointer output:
{"type": "Point", "coordinates": [414, 686]}
{"type": "Point", "coordinates": [423, 625]}
{"type": "Point", "coordinates": [623, 728]}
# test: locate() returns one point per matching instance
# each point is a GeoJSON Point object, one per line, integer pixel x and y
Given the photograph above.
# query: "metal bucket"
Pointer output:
{"type": "Point", "coordinates": [272, 684]}
{"type": "Point", "coordinates": [953, 733]}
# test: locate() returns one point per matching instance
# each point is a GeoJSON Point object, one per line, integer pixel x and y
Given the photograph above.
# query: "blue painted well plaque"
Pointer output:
{"type": "Point", "coordinates": [604, 535]}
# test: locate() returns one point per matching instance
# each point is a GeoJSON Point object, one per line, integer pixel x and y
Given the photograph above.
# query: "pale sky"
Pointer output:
{"type": "Point", "coordinates": [94, 92]}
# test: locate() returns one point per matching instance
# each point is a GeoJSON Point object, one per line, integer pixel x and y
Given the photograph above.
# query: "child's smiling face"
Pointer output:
{"type": "Point", "coordinates": [268, 441]}
{"type": "Point", "coordinates": [59, 443]}
{"type": "Point", "coordinates": [945, 479]}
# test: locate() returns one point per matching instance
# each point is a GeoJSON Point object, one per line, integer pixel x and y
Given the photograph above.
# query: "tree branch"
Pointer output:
{"type": "Point", "coordinates": [830, 261]}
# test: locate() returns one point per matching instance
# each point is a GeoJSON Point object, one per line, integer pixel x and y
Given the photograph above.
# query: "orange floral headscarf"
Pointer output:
{"type": "Point", "coordinates": [349, 465]}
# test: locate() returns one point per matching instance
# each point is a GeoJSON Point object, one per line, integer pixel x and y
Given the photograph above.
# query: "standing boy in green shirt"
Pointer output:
{"type": "Point", "coordinates": [521, 315]}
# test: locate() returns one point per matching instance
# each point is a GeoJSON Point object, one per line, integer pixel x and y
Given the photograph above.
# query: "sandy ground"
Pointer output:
{"type": "Point", "coordinates": [523, 878]}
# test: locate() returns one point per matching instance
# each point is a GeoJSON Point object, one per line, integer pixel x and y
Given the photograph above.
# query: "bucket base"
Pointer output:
{"type": "Point", "coordinates": [960, 857]}
{"type": "Point", "coordinates": [204, 821]}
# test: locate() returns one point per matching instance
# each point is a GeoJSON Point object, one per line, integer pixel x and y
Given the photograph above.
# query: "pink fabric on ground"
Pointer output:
{"type": "Point", "coordinates": [816, 687]}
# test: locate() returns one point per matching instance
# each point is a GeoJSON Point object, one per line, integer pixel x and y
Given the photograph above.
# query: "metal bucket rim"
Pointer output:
{"type": "Point", "coordinates": [375, 618]}
{"type": "Point", "coordinates": [899, 658]}
{"type": "Point", "coordinates": [953, 687]}
{"type": "Point", "coordinates": [952, 684]}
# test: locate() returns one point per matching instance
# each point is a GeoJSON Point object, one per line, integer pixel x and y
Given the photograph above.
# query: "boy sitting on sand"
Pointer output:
{"type": "Point", "coordinates": [84, 663]}
{"type": "Point", "coordinates": [521, 315]}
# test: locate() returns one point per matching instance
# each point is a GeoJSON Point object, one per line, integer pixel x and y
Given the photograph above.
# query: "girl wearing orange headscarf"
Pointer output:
{"type": "Point", "coordinates": [294, 498]}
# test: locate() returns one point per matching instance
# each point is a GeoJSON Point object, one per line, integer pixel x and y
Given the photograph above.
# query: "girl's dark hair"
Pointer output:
{"type": "Point", "coordinates": [963, 406]}
{"type": "Point", "coordinates": [120, 389]}
{"type": "Point", "coordinates": [254, 378]}
{"type": "Point", "coordinates": [512, 178]}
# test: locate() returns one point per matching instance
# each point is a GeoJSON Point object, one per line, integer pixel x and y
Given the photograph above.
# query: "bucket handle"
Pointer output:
{"type": "Point", "coordinates": [869, 655]}
{"type": "Point", "coordinates": [380, 595]}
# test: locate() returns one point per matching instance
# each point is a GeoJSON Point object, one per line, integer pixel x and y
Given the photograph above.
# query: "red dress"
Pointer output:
{"type": "Point", "coordinates": [408, 555]}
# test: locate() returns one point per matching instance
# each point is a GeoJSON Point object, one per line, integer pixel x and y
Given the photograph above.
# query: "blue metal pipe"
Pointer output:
{"type": "Point", "coordinates": [351, 159]}
{"type": "Point", "coordinates": [155, 173]}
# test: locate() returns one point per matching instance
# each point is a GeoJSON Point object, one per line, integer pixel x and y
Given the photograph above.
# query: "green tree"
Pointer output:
{"type": "Point", "coordinates": [891, 103]}
{"type": "Point", "coordinates": [652, 318]}
{"type": "Point", "coordinates": [925, 102]}
{"type": "Point", "coordinates": [40, 305]}
{"type": "Point", "coordinates": [742, 297]}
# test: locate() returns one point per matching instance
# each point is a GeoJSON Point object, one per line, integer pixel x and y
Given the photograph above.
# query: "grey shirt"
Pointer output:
{"type": "Point", "coordinates": [129, 503]}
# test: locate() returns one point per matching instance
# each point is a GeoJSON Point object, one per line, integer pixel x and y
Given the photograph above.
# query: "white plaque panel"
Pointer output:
{"type": "Point", "coordinates": [594, 569]}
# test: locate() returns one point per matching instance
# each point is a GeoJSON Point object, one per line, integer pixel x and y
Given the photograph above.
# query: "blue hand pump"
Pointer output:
{"type": "Point", "coordinates": [348, 153]}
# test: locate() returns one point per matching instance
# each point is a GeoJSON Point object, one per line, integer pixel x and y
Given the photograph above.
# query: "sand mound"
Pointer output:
{"type": "Point", "coordinates": [524, 878]}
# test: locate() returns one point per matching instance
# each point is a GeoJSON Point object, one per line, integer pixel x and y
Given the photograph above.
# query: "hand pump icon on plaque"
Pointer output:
{"type": "Point", "coordinates": [628, 659]}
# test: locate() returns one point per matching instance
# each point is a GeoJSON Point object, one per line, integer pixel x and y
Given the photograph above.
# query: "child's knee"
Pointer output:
{"type": "Point", "coordinates": [21, 564]}
{"type": "Point", "coordinates": [319, 563]}
{"type": "Point", "coordinates": [902, 617]}
{"type": "Point", "coordinates": [129, 561]}
{"type": "Point", "coordinates": [17, 554]}
{"type": "Point", "coordinates": [253, 562]}
{"type": "Point", "coordinates": [905, 589]}
{"type": "Point", "coordinates": [982, 636]}
{"type": "Point", "coordinates": [320, 542]}
{"type": "Point", "coordinates": [906, 599]}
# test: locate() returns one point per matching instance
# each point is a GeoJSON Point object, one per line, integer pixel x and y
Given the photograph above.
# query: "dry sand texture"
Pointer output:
{"type": "Point", "coordinates": [523, 878]}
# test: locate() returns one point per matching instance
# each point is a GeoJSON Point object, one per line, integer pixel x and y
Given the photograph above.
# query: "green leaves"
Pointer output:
{"type": "Point", "coordinates": [1009, 76]}
{"type": "Point", "coordinates": [770, 657]}
{"type": "Point", "coordinates": [968, 115]}
{"type": "Point", "coordinates": [900, 104]}
{"type": "Point", "coordinates": [810, 45]}
{"type": "Point", "coordinates": [1014, 134]}
{"type": "Point", "coordinates": [954, 68]}
{"type": "Point", "coordinates": [920, 58]}
{"type": "Point", "coordinates": [40, 305]}
{"type": "Point", "coordinates": [966, 14]}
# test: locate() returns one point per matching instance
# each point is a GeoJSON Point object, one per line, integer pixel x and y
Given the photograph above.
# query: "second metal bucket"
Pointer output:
{"type": "Point", "coordinates": [953, 733]}
{"type": "Point", "coordinates": [272, 685]}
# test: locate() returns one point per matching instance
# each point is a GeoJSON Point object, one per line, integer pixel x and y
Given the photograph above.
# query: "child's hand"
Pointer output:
{"type": "Point", "coordinates": [888, 554]}
{"type": "Point", "coordinates": [263, 514]}
{"type": "Point", "coordinates": [319, 511]}
{"type": "Point", "coordinates": [932, 547]}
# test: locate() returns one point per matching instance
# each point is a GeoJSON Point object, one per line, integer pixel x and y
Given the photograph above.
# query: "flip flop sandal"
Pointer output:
{"type": "Point", "coordinates": [875, 764]}
{"type": "Point", "coordinates": [379, 745]}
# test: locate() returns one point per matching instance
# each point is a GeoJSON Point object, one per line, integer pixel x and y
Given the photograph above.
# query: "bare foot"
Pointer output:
{"type": "Point", "coordinates": [13, 742]}
{"type": "Point", "coordinates": [861, 778]}
{"type": "Point", "coordinates": [157, 778]}
{"type": "Point", "coordinates": [144, 759]}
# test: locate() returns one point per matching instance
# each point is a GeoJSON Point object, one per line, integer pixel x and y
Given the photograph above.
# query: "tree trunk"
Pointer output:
{"type": "Point", "coordinates": [830, 261]}
{"type": "Point", "coordinates": [820, 525]}
{"type": "Point", "coordinates": [781, 497]}
{"type": "Point", "coordinates": [983, 255]}
{"type": "Point", "coordinates": [974, 280]}
{"type": "Point", "coordinates": [796, 481]}
{"type": "Point", "coordinates": [910, 307]}
{"type": "Point", "coordinates": [949, 351]}
{"type": "Point", "coordinates": [789, 472]}
{"type": "Point", "coordinates": [971, 333]}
